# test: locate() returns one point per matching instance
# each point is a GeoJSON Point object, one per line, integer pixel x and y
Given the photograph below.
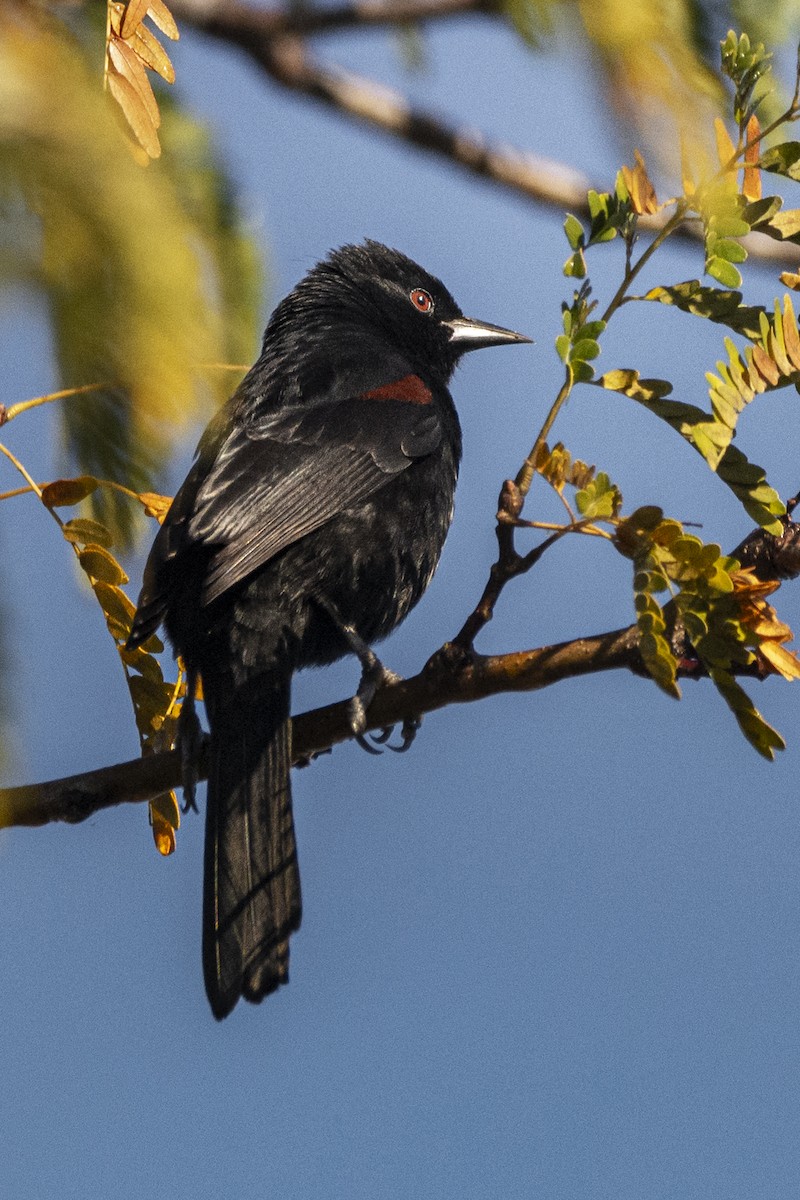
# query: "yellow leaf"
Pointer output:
{"type": "Point", "coordinates": [765, 624]}
{"type": "Point", "coordinates": [152, 53]}
{"type": "Point", "coordinates": [101, 565]}
{"type": "Point", "coordinates": [689, 186]}
{"type": "Point", "coordinates": [726, 151]}
{"type": "Point", "coordinates": [64, 492]}
{"type": "Point", "coordinates": [143, 662]}
{"type": "Point", "coordinates": [84, 530]}
{"type": "Point", "coordinates": [160, 15]}
{"type": "Point", "coordinates": [165, 818]}
{"type": "Point", "coordinates": [155, 505]}
{"type": "Point", "coordinates": [640, 189]}
{"type": "Point", "coordinates": [131, 67]}
{"type": "Point", "coordinates": [783, 661]}
{"type": "Point", "coordinates": [116, 13]}
{"type": "Point", "coordinates": [135, 13]}
{"type": "Point", "coordinates": [135, 112]}
{"type": "Point", "coordinates": [791, 337]}
{"type": "Point", "coordinates": [787, 222]}
{"type": "Point", "coordinates": [115, 604]}
{"type": "Point", "coordinates": [790, 280]}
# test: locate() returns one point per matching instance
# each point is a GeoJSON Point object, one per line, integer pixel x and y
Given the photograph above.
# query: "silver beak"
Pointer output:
{"type": "Point", "coordinates": [468, 334]}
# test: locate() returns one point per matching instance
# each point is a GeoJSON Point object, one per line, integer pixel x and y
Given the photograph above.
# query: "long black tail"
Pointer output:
{"type": "Point", "coordinates": [251, 896]}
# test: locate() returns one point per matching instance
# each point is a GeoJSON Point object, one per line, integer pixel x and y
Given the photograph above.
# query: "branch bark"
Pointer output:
{"type": "Point", "coordinates": [450, 677]}
{"type": "Point", "coordinates": [455, 674]}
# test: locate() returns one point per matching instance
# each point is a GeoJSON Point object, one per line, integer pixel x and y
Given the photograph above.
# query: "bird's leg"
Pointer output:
{"type": "Point", "coordinates": [373, 676]}
{"type": "Point", "coordinates": [190, 740]}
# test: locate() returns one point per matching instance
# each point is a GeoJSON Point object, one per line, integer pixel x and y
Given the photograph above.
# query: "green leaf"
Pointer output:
{"type": "Point", "coordinates": [563, 347]}
{"type": "Point", "coordinates": [761, 736]}
{"type": "Point", "coordinates": [575, 267]}
{"type": "Point", "coordinates": [728, 225]}
{"type": "Point", "coordinates": [723, 271]}
{"type": "Point", "coordinates": [748, 483]}
{"type": "Point", "coordinates": [582, 372]}
{"type": "Point", "coordinates": [711, 438]}
{"type": "Point", "coordinates": [584, 350]}
{"type": "Point", "coordinates": [782, 160]}
{"type": "Point", "coordinates": [631, 384]}
{"type": "Point", "coordinates": [730, 250]}
{"type": "Point", "coordinates": [761, 210]}
{"type": "Point", "coordinates": [600, 499]}
{"type": "Point", "coordinates": [715, 304]}
{"type": "Point", "coordinates": [574, 231]}
{"type": "Point", "coordinates": [84, 530]}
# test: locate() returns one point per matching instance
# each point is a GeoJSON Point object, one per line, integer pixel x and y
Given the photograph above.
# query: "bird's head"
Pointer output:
{"type": "Point", "coordinates": [373, 289]}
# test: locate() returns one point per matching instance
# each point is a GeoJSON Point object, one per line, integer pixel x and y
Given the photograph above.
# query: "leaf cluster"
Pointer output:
{"type": "Point", "coordinates": [156, 701]}
{"type": "Point", "coordinates": [611, 213]}
{"type": "Point", "coordinates": [716, 616]}
{"type": "Point", "coordinates": [149, 278]}
{"type": "Point", "coordinates": [131, 49]}
{"type": "Point", "coordinates": [744, 65]}
{"type": "Point", "coordinates": [578, 344]}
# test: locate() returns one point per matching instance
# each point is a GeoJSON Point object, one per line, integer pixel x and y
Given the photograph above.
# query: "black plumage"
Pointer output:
{"type": "Point", "coordinates": [309, 525]}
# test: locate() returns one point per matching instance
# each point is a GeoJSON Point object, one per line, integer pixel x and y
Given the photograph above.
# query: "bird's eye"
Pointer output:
{"type": "Point", "coordinates": [422, 300]}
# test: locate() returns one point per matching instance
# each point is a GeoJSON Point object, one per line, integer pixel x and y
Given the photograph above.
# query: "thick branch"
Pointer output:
{"type": "Point", "coordinates": [274, 40]}
{"type": "Point", "coordinates": [305, 20]}
{"type": "Point", "coordinates": [451, 677]}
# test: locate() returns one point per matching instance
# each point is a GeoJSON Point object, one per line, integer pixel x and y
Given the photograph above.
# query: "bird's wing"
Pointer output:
{"type": "Point", "coordinates": [267, 491]}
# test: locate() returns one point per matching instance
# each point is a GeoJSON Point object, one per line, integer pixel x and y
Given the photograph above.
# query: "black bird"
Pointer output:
{"type": "Point", "coordinates": [309, 525]}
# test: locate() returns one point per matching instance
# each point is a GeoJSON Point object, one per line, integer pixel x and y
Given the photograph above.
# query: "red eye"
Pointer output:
{"type": "Point", "coordinates": [422, 300]}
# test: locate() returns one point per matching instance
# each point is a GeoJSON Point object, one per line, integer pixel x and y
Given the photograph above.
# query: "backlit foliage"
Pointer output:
{"type": "Point", "coordinates": [148, 277]}
{"type": "Point", "coordinates": [719, 608]}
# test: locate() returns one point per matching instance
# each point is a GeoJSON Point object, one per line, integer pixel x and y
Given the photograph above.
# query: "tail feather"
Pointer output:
{"type": "Point", "coordinates": [251, 899]}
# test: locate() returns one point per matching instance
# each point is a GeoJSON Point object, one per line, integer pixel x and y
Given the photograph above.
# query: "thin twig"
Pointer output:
{"type": "Point", "coordinates": [273, 39]}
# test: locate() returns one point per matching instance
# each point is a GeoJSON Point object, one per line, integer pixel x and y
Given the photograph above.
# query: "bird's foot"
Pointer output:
{"type": "Point", "coordinates": [190, 741]}
{"type": "Point", "coordinates": [375, 676]}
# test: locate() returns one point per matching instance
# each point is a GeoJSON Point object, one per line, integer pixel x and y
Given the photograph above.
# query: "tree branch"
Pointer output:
{"type": "Point", "coordinates": [454, 675]}
{"type": "Point", "coordinates": [450, 677]}
{"type": "Point", "coordinates": [305, 20]}
{"type": "Point", "coordinates": [274, 40]}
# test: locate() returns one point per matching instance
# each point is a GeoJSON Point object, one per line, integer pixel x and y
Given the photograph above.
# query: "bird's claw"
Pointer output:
{"type": "Point", "coordinates": [365, 744]}
{"type": "Point", "coordinates": [408, 733]}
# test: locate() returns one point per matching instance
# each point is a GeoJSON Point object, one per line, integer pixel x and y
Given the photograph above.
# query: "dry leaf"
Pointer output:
{"type": "Point", "coordinates": [160, 15]}
{"type": "Point", "coordinates": [131, 67]}
{"type": "Point", "coordinates": [641, 190]}
{"type": "Point", "coordinates": [152, 53]}
{"type": "Point", "coordinates": [751, 184]}
{"type": "Point", "coordinates": [135, 13]}
{"type": "Point", "coordinates": [135, 112]}
{"type": "Point", "coordinates": [783, 661]}
{"type": "Point", "coordinates": [155, 505]}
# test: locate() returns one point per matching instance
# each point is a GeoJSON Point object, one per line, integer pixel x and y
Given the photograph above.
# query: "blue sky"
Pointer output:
{"type": "Point", "coordinates": [551, 952]}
